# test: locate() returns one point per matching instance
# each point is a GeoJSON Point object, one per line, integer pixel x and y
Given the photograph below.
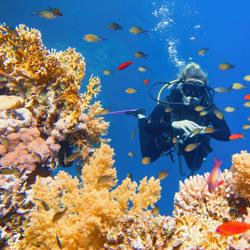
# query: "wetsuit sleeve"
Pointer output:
{"type": "Point", "coordinates": [159, 121]}
{"type": "Point", "coordinates": [222, 132]}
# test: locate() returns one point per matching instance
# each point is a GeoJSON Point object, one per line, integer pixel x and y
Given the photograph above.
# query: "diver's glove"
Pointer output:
{"type": "Point", "coordinates": [186, 126]}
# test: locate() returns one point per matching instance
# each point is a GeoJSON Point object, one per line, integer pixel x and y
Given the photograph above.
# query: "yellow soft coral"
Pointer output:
{"type": "Point", "coordinates": [241, 173]}
{"type": "Point", "coordinates": [89, 208]}
{"type": "Point", "coordinates": [93, 88]}
{"type": "Point", "coordinates": [48, 80]}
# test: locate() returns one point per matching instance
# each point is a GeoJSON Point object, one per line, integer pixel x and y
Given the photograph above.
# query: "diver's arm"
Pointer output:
{"type": "Point", "coordinates": [159, 121]}
{"type": "Point", "coordinates": [222, 131]}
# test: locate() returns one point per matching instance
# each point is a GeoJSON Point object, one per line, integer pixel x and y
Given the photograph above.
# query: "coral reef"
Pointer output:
{"type": "Point", "coordinates": [43, 115]}
{"type": "Point", "coordinates": [80, 214]}
{"type": "Point", "coordinates": [198, 212]}
{"type": "Point", "coordinates": [120, 218]}
{"type": "Point", "coordinates": [141, 231]}
{"type": "Point", "coordinates": [49, 83]}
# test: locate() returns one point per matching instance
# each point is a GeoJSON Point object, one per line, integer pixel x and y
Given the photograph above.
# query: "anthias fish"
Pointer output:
{"type": "Point", "coordinates": [213, 178]}
{"type": "Point", "coordinates": [137, 30]}
{"type": "Point", "coordinates": [199, 108]}
{"type": "Point", "coordinates": [56, 11]}
{"type": "Point", "coordinates": [107, 72]}
{"type": "Point", "coordinates": [236, 136]}
{"type": "Point", "coordinates": [142, 69]}
{"type": "Point", "coordinates": [226, 66]}
{"type": "Point", "coordinates": [202, 51]}
{"type": "Point", "coordinates": [140, 54]}
{"type": "Point", "coordinates": [124, 65]}
{"type": "Point", "coordinates": [131, 154]}
{"type": "Point", "coordinates": [238, 86]}
{"type": "Point", "coordinates": [92, 38]}
{"type": "Point", "coordinates": [232, 228]}
{"type": "Point", "coordinates": [192, 146]}
{"type": "Point", "coordinates": [247, 104]}
{"type": "Point", "coordinates": [115, 26]}
{"type": "Point", "coordinates": [218, 114]}
{"type": "Point", "coordinates": [57, 216]}
{"type": "Point", "coordinates": [222, 90]}
{"type": "Point", "coordinates": [247, 97]}
{"type": "Point", "coordinates": [130, 90]}
{"type": "Point", "coordinates": [47, 14]}
{"type": "Point", "coordinates": [247, 78]}
{"type": "Point", "coordinates": [246, 126]}
{"type": "Point", "coordinates": [146, 160]}
{"type": "Point", "coordinates": [229, 109]}
{"type": "Point", "coordinates": [162, 175]}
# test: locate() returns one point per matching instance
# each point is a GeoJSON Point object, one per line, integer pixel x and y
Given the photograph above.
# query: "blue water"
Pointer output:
{"type": "Point", "coordinates": [224, 29]}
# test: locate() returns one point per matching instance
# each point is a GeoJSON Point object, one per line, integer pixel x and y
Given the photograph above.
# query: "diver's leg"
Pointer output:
{"type": "Point", "coordinates": [194, 159]}
{"type": "Point", "coordinates": [147, 142]}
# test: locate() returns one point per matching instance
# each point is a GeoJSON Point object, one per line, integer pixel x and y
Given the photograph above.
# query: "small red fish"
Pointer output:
{"type": "Point", "coordinates": [124, 65]}
{"type": "Point", "coordinates": [247, 97]}
{"type": "Point", "coordinates": [213, 178]}
{"type": "Point", "coordinates": [236, 136]}
{"type": "Point", "coordinates": [232, 228]}
{"type": "Point", "coordinates": [146, 81]}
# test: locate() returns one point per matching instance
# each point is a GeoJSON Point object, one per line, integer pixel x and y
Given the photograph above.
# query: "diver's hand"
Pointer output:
{"type": "Point", "coordinates": [187, 127]}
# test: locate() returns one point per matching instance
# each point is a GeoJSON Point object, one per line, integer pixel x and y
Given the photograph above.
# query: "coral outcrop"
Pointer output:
{"type": "Point", "coordinates": [48, 82]}
{"type": "Point", "coordinates": [198, 212]}
{"type": "Point", "coordinates": [80, 214]}
{"type": "Point", "coordinates": [241, 174]}
{"type": "Point", "coordinates": [43, 116]}
{"type": "Point", "coordinates": [43, 119]}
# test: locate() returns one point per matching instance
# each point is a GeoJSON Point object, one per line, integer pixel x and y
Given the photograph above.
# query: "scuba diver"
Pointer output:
{"type": "Point", "coordinates": [185, 121]}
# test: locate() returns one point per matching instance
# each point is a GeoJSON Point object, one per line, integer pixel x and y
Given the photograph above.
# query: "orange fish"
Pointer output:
{"type": "Point", "coordinates": [236, 136]}
{"type": "Point", "coordinates": [124, 65]}
{"type": "Point", "coordinates": [213, 178]}
{"type": "Point", "coordinates": [247, 97]}
{"type": "Point", "coordinates": [146, 81]}
{"type": "Point", "coordinates": [232, 227]}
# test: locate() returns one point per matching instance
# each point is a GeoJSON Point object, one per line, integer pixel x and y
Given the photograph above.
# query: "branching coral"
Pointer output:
{"type": "Point", "coordinates": [141, 231]}
{"type": "Point", "coordinates": [41, 105]}
{"type": "Point", "coordinates": [241, 174]}
{"type": "Point", "coordinates": [48, 81]}
{"type": "Point", "coordinates": [88, 208]}
{"type": "Point", "coordinates": [198, 212]}
{"type": "Point", "coordinates": [13, 205]}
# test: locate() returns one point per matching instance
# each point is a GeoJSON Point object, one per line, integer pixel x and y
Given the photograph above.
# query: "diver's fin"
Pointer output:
{"type": "Point", "coordinates": [135, 112]}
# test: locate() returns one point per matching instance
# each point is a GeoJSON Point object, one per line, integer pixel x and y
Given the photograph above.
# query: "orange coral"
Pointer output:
{"type": "Point", "coordinates": [34, 71]}
{"type": "Point", "coordinates": [49, 83]}
{"type": "Point", "coordinates": [241, 174]}
{"type": "Point", "coordinates": [89, 208]}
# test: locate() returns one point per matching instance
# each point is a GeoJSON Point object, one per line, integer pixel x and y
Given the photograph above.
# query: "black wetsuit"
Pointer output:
{"type": "Point", "coordinates": [157, 133]}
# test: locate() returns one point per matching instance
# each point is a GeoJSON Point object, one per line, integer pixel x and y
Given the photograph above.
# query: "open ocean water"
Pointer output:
{"type": "Point", "coordinates": [176, 31]}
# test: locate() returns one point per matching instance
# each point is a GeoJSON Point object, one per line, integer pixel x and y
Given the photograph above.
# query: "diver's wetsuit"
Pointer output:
{"type": "Point", "coordinates": [157, 133]}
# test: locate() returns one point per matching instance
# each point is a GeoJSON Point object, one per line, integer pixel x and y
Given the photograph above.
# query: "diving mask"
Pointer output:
{"type": "Point", "coordinates": [192, 91]}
